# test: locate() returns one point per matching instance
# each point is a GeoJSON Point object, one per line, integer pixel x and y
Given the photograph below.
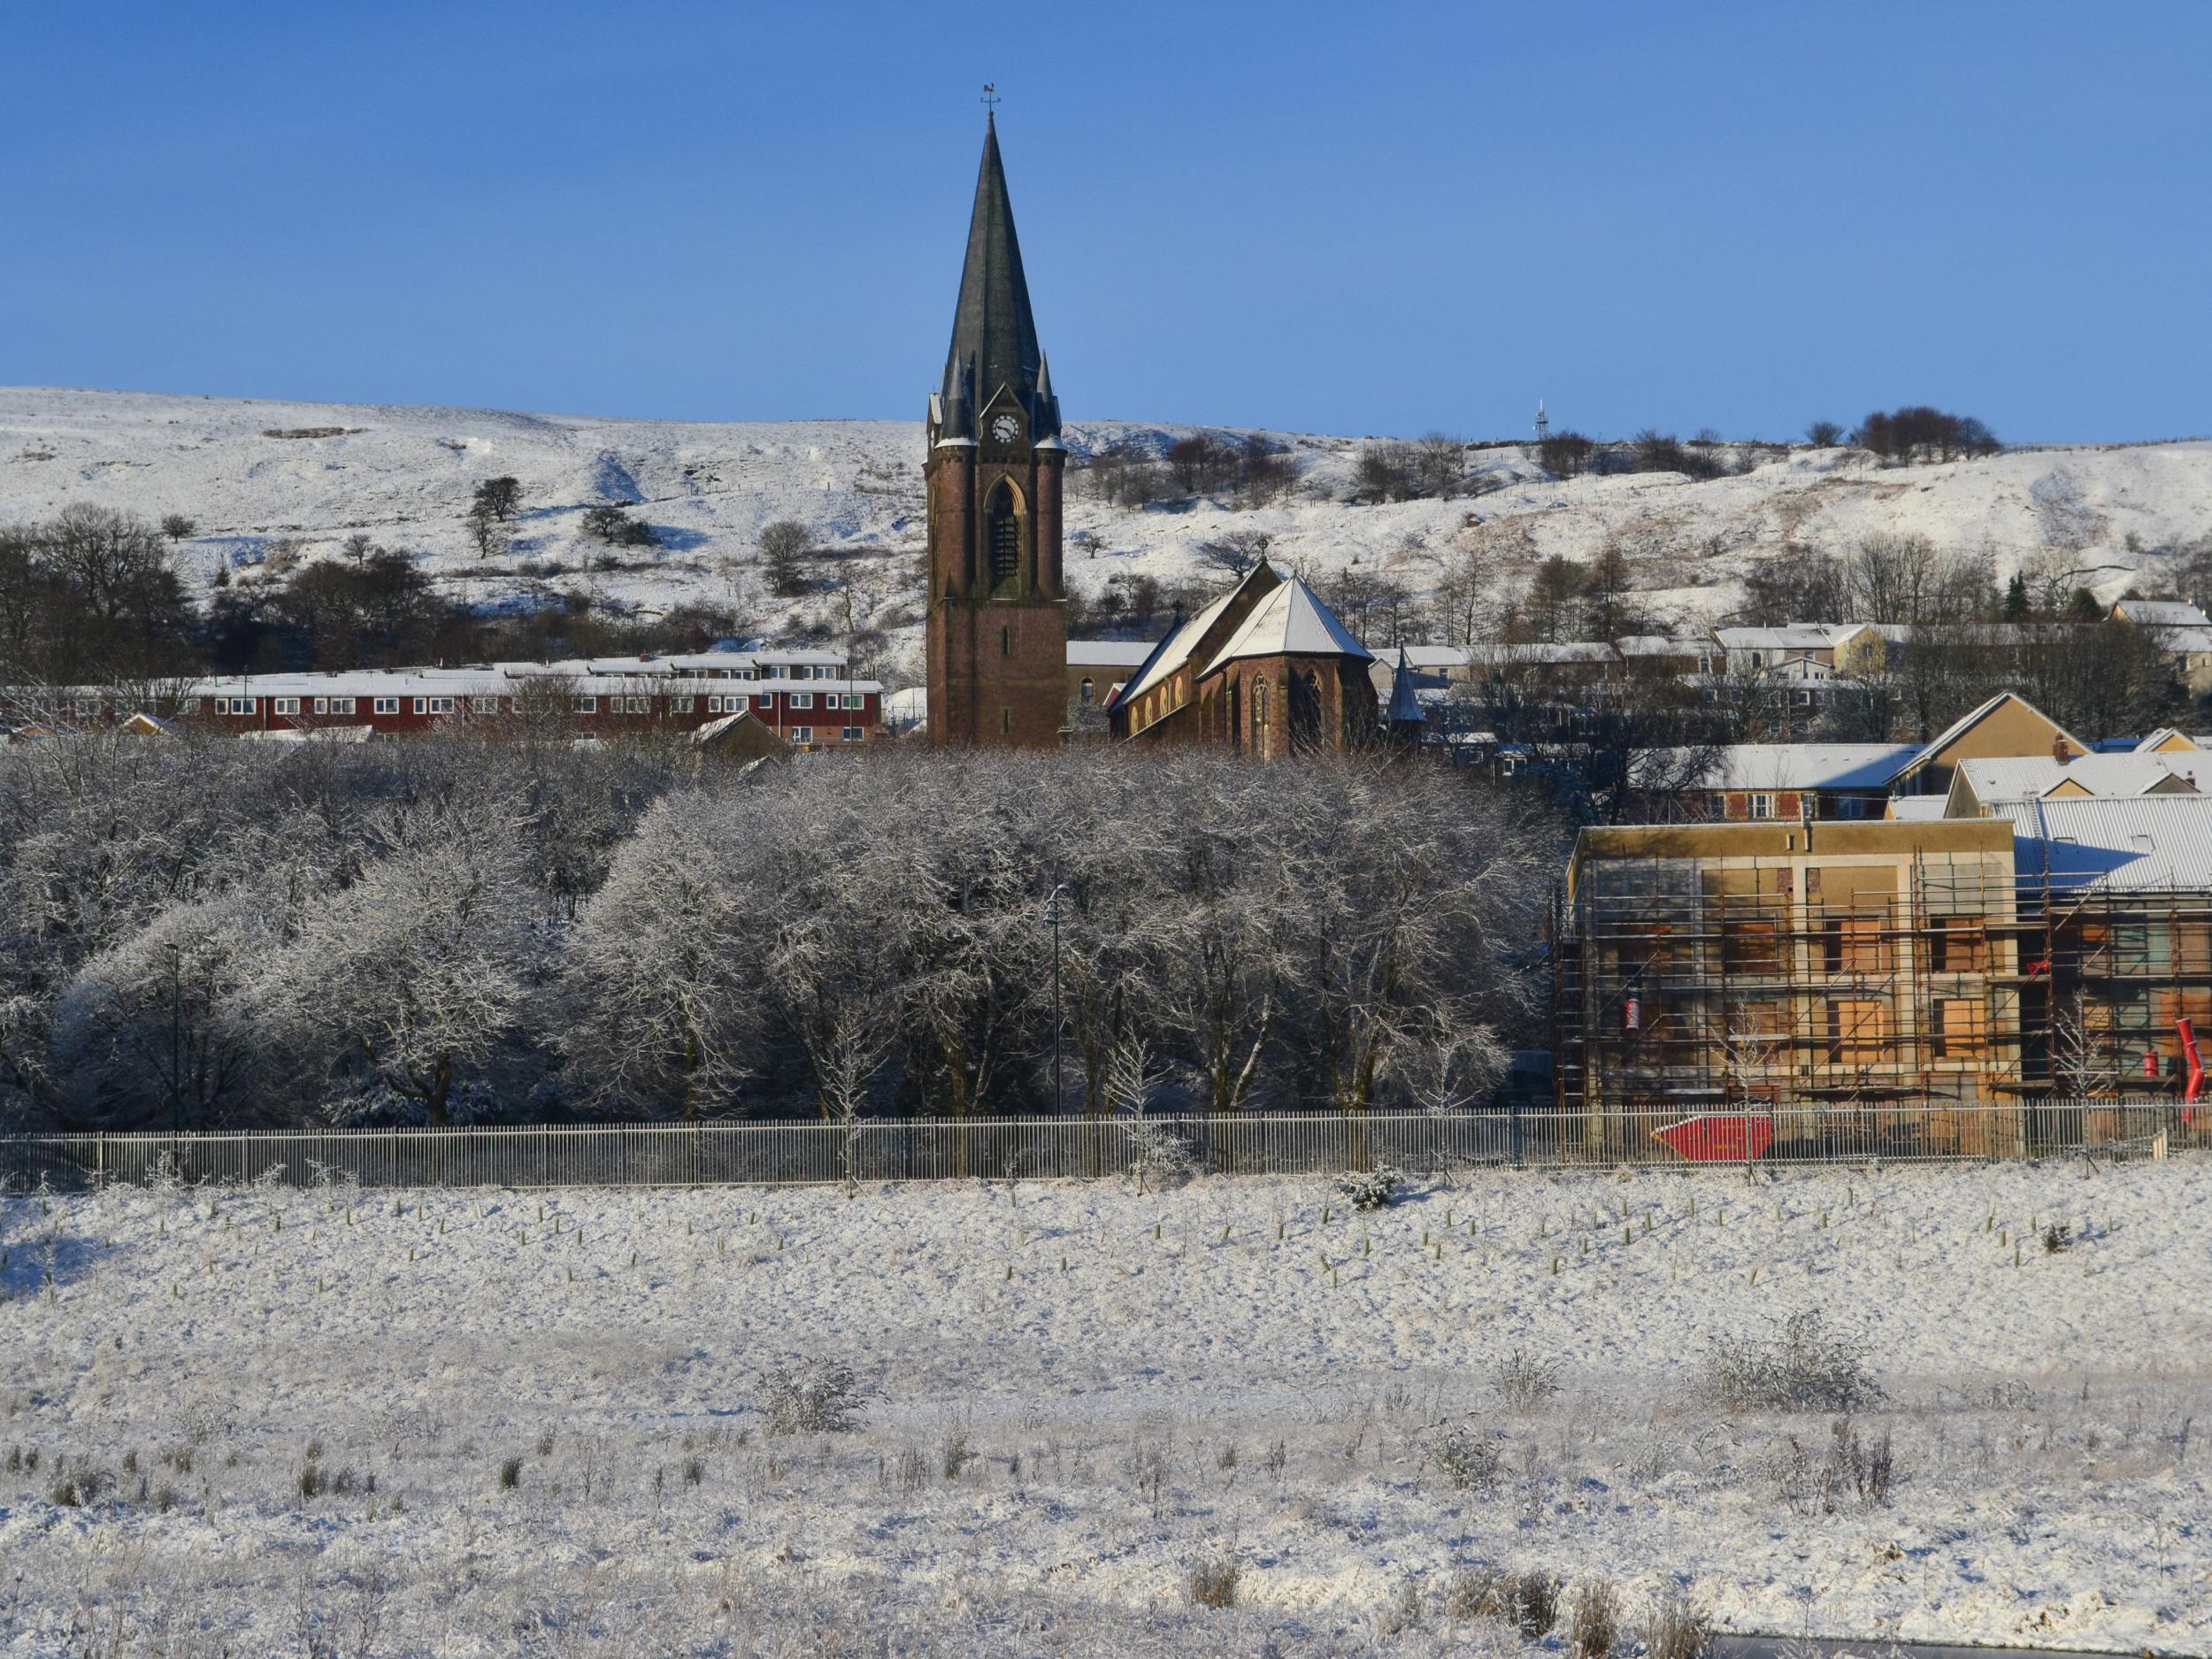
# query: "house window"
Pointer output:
{"type": "Point", "coordinates": [802, 699]}
{"type": "Point", "coordinates": [1851, 806]}
{"type": "Point", "coordinates": [284, 705]}
{"type": "Point", "coordinates": [322, 705]}
{"type": "Point", "coordinates": [767, 699]}
{"type": "Point", "coordinates": [86, 707]}
{"type": "Point", "coordinates": [386, 705]}
{"type": "Point", "coordinates": [1090, 690]}
{"type": "Point", "coordinates": [338, 705]}
{"type": "Point", "coordinates": [434, 705]}
{"type": "Point", "coordinates": [853, 733]}
{"type": "Point", "coordinates": [714, 705]}
{"type": "Point", "coordinates": [1716, 806]}
{"type": "Point", "coordinates": [679, 705]}
{"type": "Point", "coordinates": [485, 705]}
{"type": "Point", "coordinates": [585, 705]}
{"type": "Point", "coordinates": [802, 734]}
{"type": "Point", "coordinates": [1762, 806]}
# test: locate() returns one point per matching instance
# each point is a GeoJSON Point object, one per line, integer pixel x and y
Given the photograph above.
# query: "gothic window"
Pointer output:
{"type": "Point", "coordinates": [1305, 692]}
{"type": "Point", "coordinates": [1259, 708]}
{"type": "Point", "coordinates": [1006, 536]}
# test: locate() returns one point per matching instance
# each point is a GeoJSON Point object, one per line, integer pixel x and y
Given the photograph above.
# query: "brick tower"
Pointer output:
{"type": "Point", "coordinates": [997, 638]}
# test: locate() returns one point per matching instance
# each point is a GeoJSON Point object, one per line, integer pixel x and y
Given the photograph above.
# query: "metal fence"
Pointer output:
{"type": "Point", "coordinates": [998, 1148]}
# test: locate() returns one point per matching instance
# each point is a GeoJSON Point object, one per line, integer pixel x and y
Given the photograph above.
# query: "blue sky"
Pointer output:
{"type": "Point", "coordinates": [1390, 217]}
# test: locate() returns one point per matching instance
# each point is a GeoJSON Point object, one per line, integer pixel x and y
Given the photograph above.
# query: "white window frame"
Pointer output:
{"type": "Point", "coordinates": [679, 705]}
{"type": "Point", "coordinates": [584, 705]}
{"type": "Point", "coordinates": [385, 705]}
{"type": "Point", "coordinates": [801, 735]}
{"type": "Point", "coordinates": [1716, 805]}
{"type": "Point", "coordinates": [322, 705]}
{"type": "Point", "coordinates": [854, 733]}
{"type": "Point", "coordinates": [767, 699]}
{"type": "Point", "coordinates": [484, 705]}
{"type": "Point", "coordinates": [284, 705]}
{"type": "Point", "coordinates": [1762, 806]}
{"type": "Point", "coordinates": [802, 700]}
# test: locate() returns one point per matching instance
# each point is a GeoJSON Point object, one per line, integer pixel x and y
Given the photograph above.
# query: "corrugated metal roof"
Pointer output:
{"type": "Point", "coordinates": [2018, 776]}
{"type": "Point", "coordinates": [2142, 842]}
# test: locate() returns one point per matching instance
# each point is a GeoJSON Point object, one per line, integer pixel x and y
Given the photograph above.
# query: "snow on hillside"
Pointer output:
{"type": "Point", "coordinates": [250, 1420]}
{"type": "Point", "coordinates": [253, 473]}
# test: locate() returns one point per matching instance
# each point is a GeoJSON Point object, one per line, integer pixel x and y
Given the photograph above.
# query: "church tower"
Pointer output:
{"type": "Point", "coordinates": [997, 630]}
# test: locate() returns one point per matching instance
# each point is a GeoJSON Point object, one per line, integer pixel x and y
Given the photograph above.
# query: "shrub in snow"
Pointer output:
{"type": "Point", "coordinates": [1371, 1189]}
{"type": "Point", "coordinates": [812, 1397]}
{"type": "Point", "coordinates": [1804, 1367]}
{"type": "Point", "coordinates": [1158, 1156]}
{"type": "Point", "coordinates": [1464, 1455]}
{"type": "Point", "coordinates": [1527, 1601]}
{"type": "Point", "coordinates": [1213, 1581]}
{"type": "Point", "coordinates": [1675, 1629]}
{"type": "Point", "coordinates": [1524, 1381]}
{"type": "Point", "coordinates": [1593, 1625]}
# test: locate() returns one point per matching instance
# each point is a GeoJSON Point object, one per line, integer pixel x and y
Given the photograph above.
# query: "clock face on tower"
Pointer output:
{"type": "Point", "coordinates": [1005, 428]}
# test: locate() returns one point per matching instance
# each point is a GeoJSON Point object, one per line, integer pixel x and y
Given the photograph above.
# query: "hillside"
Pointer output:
{"type": "Point", "coordinates": [255, 473]}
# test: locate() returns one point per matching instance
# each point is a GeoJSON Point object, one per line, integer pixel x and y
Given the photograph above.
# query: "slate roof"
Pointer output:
{"type": "Point", "coordinates": [1291, 621]}
{"type": "Point", "coordinates": [1864, 767]}
{"type": "Point", "coordinates": [994, 332]}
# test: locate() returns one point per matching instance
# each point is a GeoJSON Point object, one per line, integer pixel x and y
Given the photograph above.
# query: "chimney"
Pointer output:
{"type": "Point", "coordinates": [2059, 751]}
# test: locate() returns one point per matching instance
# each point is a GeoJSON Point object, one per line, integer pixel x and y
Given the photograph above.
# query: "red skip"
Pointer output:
{"type": "Point", "coordinates": [1718, 1137]}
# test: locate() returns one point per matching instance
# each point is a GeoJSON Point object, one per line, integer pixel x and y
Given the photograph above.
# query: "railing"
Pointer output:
{"type": "Point", "coordinates": [999, 1148]}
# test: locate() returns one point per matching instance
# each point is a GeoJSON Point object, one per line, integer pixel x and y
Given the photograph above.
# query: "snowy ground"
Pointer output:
{"type": "Point", "coordinates": [1077, 1393]}
{"type": "Point", "coordinates": [254, 474]}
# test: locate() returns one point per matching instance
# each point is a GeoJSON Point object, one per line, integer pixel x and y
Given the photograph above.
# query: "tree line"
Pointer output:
{"type": "Point", "coordinates": [196, 934]}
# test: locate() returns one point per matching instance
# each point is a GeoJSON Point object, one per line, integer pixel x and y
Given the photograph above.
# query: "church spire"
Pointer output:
{"type": "Point", "coordinates": [994, 333]}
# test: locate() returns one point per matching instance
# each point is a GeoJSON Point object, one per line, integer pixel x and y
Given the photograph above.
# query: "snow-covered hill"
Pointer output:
{"type": "Point", "coordinates": [254, 473]}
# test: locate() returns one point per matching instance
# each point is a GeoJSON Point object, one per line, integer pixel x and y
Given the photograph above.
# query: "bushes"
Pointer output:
{"type": "Point", "coordinates": [1213, 1580]}
{"type": "Point", "coordinates": [1917, 433]}
{"type": "Point", "coordinates": [1527, 1601]}
{"type": "Point", "coordinates": [1805, 1366]}
{"type": "Point", "coordinates": [812, 1397]}
{"type": "Point", "coordinates": [1371, 1189]}
{"type": "Point", "coordinates": [1464, 1456]}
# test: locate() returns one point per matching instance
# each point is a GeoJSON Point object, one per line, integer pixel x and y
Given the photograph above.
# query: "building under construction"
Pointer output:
{"type": "Point", "coordinates": [1908, 988]}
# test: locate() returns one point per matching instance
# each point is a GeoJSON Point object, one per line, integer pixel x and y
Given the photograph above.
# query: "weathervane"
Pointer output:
{"type": "Point", "coordinates": [990, 95]}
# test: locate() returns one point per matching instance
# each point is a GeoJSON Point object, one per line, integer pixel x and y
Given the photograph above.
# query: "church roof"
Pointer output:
{"type": "Point", "coordinates": [993, 333]}
{"type": "Point", "coordinates": [1405, 706]}
{"type": "Point", "coordinates": [1291, 621]}
{"type": "Point", "coordinates": [1173, 651]}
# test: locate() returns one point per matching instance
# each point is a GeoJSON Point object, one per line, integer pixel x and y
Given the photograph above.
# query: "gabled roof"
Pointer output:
{"type": "Point", "coordinates": [2018, 777]}
{"type": "Point", "coordinates": [2161, 613]}
{"type": "Point", "coordinates": [1973, 718]}
{"type": "Point", "coordinates": [2165, 737]}
{"type": "Point", "coordinates": [1291, 621]}
{"type": "Point", "coordinates": [1185, 637]}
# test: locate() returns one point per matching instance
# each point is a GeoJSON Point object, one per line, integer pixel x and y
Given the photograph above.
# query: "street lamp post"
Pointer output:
{"type": "Point", "coordinates": [1053, 906]}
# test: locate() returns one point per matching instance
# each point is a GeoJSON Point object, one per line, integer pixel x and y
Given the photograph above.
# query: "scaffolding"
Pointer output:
{"type": "Point", "coordinates": [1927, 999]}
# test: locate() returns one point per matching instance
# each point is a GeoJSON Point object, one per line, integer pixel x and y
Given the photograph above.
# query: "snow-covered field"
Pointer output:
{"type": "Point", "coordinates": [324, 1421]}
{"type": "Point", "coordinates": [252, 473]}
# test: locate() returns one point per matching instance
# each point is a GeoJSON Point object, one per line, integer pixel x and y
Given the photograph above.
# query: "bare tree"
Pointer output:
{"type": "Point", "coordinates": [783, 545]}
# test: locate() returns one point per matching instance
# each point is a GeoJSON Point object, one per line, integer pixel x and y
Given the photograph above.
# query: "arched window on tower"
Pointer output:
{"type": "Point", "coordinates": [1006, 536]}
